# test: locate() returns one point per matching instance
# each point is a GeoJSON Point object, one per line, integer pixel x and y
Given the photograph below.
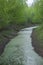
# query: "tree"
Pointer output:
{"type": "Point", "coordinates": [38, 11]}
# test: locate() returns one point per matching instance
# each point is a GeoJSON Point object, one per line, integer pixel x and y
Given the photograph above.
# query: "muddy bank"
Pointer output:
{"type": "Point", "coordinates": [36, 43]}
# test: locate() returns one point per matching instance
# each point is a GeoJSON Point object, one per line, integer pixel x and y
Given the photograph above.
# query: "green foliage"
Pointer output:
{"type": "Point", "coordinates": [12, 11]}
{"type": "Point", "coordinates": [17, 12]}
{"type": "Point", "coordinates": [38, 11]}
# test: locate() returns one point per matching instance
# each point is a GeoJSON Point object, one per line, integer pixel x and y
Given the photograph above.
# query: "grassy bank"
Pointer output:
{"type": "Point", "coordinates": [37, 40]}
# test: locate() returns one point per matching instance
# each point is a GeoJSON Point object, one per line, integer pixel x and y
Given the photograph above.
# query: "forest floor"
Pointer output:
{"type": "Point", "coordinates": [37, 40]}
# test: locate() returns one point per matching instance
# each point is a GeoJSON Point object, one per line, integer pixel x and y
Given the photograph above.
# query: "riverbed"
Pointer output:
{"type": "Point", "coordinates": [19, 51]}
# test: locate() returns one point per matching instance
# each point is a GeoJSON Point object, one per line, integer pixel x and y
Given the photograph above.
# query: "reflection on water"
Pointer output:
{"type": "Point", "coordinates": [19, 51]}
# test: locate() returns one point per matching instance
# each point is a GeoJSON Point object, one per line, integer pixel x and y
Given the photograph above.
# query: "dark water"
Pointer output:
{"type": "Point", "coordinates": [19, 51]}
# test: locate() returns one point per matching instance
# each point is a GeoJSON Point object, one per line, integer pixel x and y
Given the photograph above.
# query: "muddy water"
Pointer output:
{"type": "Point", "coordinates": [19, 51]}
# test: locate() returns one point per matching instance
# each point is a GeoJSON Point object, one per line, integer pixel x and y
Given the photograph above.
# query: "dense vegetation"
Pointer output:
{"type": "Point", "coordinates": [38, 32]}
{"type": "Point", "coordinates": [39, 17]}
{"type": "Point", "coordinates": [12, 11]}
{"type": "Point", "coordinates": [14, 15]}
{"type": "Point", "coordinates": [17, 12]}
{"type": "Point", "coordinates": [38, 11]}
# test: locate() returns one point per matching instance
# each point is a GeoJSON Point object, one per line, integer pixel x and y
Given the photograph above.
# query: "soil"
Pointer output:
{"type": "Point", "coordinates": [35, 43]}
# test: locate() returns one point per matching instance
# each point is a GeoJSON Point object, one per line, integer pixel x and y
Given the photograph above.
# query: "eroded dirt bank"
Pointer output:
{"type": "Point", "coordinates": [36, 43]}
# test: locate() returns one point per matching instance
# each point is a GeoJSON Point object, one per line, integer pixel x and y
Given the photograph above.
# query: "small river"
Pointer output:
{"type": "Point", "coordinates": [19, 51]}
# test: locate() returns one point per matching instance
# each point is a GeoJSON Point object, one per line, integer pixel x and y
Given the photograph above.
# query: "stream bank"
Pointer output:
{"type": "Point", "coordinates": [8, 33]}
{"type": "Point", "coordinates": [37, 44]}
{"type": "Point", "coordinates": [19, 51]}
{"type": "Point", "coordinates": [5, 37]}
